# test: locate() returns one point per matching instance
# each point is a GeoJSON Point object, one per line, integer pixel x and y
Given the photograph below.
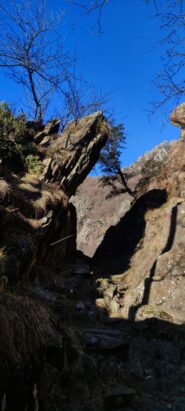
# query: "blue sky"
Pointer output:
{"type": "Point", "coordinates": [121, 62]}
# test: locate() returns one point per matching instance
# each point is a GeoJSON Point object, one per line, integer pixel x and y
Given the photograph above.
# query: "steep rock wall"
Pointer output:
{"type": "Point", "coordinates": [96, 212]}
{"type": "Point", "coordinates": [144, 252]}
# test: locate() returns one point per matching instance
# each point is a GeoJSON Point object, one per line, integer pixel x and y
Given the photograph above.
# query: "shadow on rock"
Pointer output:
{"type": "Point", "coordinates": [121, 241]}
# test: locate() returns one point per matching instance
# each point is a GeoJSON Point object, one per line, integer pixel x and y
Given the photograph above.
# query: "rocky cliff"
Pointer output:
{"type": "Point", "coordinates": [35, 211]}
{"type": "Point", "coordinates": [80, 333]}
{"type": "Point", "coordinates": [96, 211]}
{"type": "Point", "coordinates": [147, 247]}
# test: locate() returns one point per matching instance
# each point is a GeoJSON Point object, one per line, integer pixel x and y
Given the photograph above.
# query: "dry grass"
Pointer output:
{"type": "Point", "coordinates": [29, 187]}
{"type": "Point", "coordinates": [30, 196]}
{"type": "Point", "coordinates": [31, 179]}
{"type": "Point", "coordinates": [10, 194]}
{"type": "Point", "coordinates": [57, 194]}
{"type": "Point", "coordinates": [49, 198]}
{"type": "Point", "coordinates": [2, 254]}
{"type": "Point", "coordinates": [43, 202]}
{"type": "Point", "coordinates": [5, 189]}
{"type": "Point", "coordinates": [24, 327]}
{"type": "Point", "coordinates": [39, 200]}
{"type": "Point", "coordinates": [3, 258]}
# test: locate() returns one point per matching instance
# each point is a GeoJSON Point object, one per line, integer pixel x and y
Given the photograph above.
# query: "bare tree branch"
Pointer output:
{"type": "Point", "coordinates": [32, 53]}
{"type": "Point", "coordinates": [91, 7]}
{"type": "Point", "coordinates": [31, 50]}
{"type": "Point", "coordinates": [170, 81]}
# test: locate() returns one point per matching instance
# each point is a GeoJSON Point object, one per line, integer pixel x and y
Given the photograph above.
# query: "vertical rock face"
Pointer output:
{"type": "Point", "coordinates": [96, 212]}
{"type": "Point", "coordinates": [147, 246]}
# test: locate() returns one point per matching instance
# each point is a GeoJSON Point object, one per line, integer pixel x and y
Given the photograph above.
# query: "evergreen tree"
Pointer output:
{"type": "Point", "coordinates": [110, 162]}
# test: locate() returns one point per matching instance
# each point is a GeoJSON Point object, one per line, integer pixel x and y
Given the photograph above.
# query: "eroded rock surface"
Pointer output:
{"type": "Point", "coordinates": [177, 118]}
{"type": "Point", "coordinates": [96, 212]}
{"type": "Point", "coordinates": [76, 152]}
{"type": "Point", "coordinates": [69, 336]}
{"type": "Point", "coordinates": [35, 211]}
{"type": "Point", "coordinates": [147, 246]}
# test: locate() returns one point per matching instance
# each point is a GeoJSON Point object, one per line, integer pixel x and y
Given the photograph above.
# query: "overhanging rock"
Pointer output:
{"type": "Point", "coordinates": [76, 151]}
{"type": "Point", "coordinates": [35, 212]}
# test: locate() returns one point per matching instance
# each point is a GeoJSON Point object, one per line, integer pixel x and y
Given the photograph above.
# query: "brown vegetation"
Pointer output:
{"type": "Point", "coordinates": [24, 327]}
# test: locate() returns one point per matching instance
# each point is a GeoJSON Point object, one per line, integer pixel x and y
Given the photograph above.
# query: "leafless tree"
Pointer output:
{"type": "Point", "coordinates": [32, 53]}
{"type": "Point", "coordinates": [81, 99]}
{"type": "Point", "coordinates": [170, 81]}
{"type": "Point", "coordinates": [95, 6]}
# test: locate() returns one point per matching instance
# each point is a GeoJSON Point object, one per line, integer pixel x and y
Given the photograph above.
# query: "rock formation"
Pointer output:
{"type": "Point", "coordinates": [149, 256]}
{"type": "Point", "coordinates": [177, 118]}
{"type": "Point", "coordinates": [142, 252]}
{"type": "Point", "coordinates": [74, 155]}
{"type": "Point", "coordinates": [91, 334]}
{"type": "Point", "coordinates": [35, 211]}
{"type": "Point", "coordinates": [96, 212]}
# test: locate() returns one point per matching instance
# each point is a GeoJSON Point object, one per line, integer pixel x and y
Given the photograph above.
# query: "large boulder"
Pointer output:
{"type": "Point", "coordinates": [73, 155]}
{"type": "Point", "coordinates": [177, 118]}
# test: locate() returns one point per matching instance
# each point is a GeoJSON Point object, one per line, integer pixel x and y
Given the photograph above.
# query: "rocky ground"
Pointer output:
{"type": "Point", "coordinates": [100, 363]}
{"type": "Point", "coordinates": [94, 362]}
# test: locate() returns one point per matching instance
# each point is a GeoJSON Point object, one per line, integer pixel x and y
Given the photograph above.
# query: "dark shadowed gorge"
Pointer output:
{"type": "Point", "coordinates": [92, 289]}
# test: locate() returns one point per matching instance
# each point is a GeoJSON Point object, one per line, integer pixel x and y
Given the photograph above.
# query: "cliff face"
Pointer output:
{"type": "Point", "coordinates": [102, 333]}
{"type": "Point", "coordinates": [96, 212]}
{"type": "Point", "coordinates": [144, 251]}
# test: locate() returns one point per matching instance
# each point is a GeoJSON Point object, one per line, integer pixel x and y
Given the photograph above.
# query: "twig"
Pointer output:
{"type": "Point", "coordinates": [62, 239]}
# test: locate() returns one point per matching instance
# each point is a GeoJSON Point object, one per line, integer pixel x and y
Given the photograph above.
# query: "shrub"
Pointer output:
{"type": "Point", "coordinates": [10, 154]}
{"type": "Point", "coordinates": [12, 124]}
{"type": "Point", "coordinates": [33, 164]}
{"type": "Point", "coordinates": [18, 151]}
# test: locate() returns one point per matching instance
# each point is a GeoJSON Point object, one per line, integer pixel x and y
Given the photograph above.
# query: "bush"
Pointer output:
{"type": "Point", "coordinates": [10, 154]}
{"type": "Point", "coordinates": [33, 164]}
{"type": "Point", "coordinates": [18, 151]}
{"type": "Point", "coordinates": [11, 124]}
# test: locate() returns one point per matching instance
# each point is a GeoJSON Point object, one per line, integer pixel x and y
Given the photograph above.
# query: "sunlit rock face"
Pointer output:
{"type": "Point", "coordinates": [96, 211]}
{"type": "Point", "coordinates": [74, 154]}
{"type": "Point", "coordinates": [144, 251]}
{"type": "Point", "coordinates": [177, 118]}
